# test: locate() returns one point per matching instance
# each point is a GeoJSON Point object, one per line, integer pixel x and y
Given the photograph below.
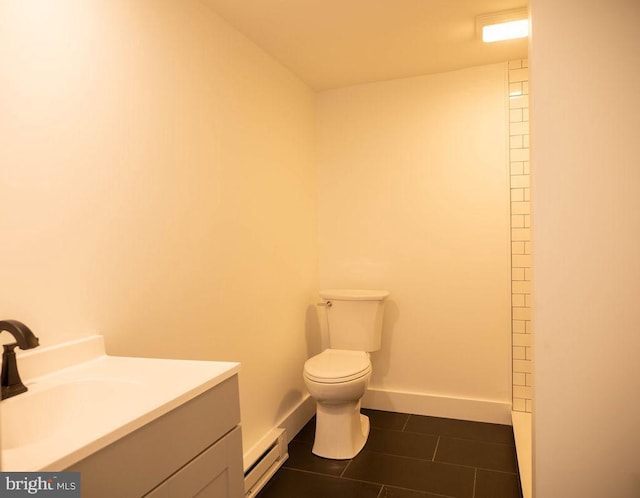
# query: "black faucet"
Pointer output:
{"type": "Point", "coordinates": [25, 339]}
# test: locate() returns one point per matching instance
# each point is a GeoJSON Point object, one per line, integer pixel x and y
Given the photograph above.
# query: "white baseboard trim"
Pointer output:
{"type": "Point", "coordinates": [292, 422]}
{"type": "Point", "coordinates": [478, 410]}
{"type": "Point", "coordinates": [298, 416]}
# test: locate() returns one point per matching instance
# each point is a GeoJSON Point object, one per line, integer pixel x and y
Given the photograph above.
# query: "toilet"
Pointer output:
{"type": "Point", "coordinates": [338, 377]}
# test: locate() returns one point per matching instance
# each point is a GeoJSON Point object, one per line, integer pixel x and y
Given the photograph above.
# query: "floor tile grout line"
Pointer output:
{"type": "Point", "coordinates": [306, 471]}
{"type": "Point", "coordinates": [406, 422]}
{"type": "Point", "coordinates": [460, 438]}
{"type": "Point", "coordinates": [475, 478]}
{"type": "Point", "coordinates": [439, 495]}
{"type": "Point", "coordinates": [424, 460]}
{"type": "Point", "coordinates": [448, 436]}
{"type": "Point", "coordinates": [435, 450]}
{"type": "Point", "coordinates": [515, 473]}
{"type": "Point", "coordinates": [344, 478]}
{"type": "Point", "coordinates": [428, 459]}
{"type": "Point", "coordinates": [351, 479]}
{"type": "Point", "coordinates": [456, 437]}
{"type": "Point", "coordinates": [454, 464]}
{"type": "Point", "coordinates": [345, 468]}
{"type": "Point", "coordinates": [330, 476]}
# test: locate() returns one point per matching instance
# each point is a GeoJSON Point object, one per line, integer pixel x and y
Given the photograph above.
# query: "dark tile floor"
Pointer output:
{"type": "Point", "coordinates": [406, 456]}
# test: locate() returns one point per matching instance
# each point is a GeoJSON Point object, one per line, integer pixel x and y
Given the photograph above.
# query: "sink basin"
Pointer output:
{"type": "Point", "coordinates": [80, 400]}
{"type": "Point", "coordinates": [61, 407]}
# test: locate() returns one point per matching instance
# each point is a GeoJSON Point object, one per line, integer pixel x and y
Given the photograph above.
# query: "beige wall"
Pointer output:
{"type": "Point", "coordinates": [414, 198]}
{"type": "Point", "coordinates": [158, 187]}
{"type": "Point", "coordinates": [585, 119]}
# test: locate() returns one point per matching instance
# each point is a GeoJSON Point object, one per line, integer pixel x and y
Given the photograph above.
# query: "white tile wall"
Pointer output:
{"type": "Point", "coordinates": [519, 154]}
{"type": "Point", "coordinates": [518, 273]}
{"type": "Point", "coordinates": [523, 234]}
{"type": "Point", "coordinates": [521, 260]}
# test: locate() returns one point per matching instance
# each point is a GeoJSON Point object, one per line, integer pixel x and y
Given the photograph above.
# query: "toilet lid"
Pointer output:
{"type": "Point", "coordinates": [337, 365]}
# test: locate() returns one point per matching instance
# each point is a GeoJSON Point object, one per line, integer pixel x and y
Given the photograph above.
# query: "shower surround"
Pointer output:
{"type": "Point", "coordinates": [521, 325]}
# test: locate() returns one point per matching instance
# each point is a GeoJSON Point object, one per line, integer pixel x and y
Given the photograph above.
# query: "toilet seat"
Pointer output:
{"type": "Point", "coordinates": [334, 366]}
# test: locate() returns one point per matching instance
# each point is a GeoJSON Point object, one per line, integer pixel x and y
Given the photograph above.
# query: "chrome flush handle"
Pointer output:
{"type": "Point", "coordinates": [328, 304]}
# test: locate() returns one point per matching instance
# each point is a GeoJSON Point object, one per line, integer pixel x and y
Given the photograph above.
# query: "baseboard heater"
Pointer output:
{"type": "Point", "coordinates": [270, 454]}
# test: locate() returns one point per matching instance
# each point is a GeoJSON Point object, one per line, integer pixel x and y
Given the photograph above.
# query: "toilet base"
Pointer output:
{"type": "Point", "coordinates": [341, 430]}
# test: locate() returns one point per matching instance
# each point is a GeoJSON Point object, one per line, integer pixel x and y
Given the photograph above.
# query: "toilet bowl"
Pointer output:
{"type": "Point", "coordinates": [337, 380]}
{"type": "Point", "coordinates": [338, 377]}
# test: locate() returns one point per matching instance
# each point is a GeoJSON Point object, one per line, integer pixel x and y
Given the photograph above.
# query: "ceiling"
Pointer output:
{"type": "Point", "coordinates": [335, 43]}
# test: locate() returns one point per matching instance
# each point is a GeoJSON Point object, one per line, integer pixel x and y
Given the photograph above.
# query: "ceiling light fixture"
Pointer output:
{"type": "Point", "coordinates": [507, 25]}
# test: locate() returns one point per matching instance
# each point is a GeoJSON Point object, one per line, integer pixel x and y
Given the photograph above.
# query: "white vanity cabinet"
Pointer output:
{"type": "Point", "coordinates": [193, 450]}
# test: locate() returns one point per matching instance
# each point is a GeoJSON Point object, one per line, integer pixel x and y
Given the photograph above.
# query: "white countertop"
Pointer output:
{"type": "Point", "coordinates": [80, 400]}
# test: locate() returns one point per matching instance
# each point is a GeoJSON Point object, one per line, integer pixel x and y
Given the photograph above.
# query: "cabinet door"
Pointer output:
{"type": "Point", "coordinates": [216, 473]}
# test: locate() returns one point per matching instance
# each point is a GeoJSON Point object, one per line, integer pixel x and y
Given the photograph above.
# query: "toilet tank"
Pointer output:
{"type": "Point", "coordinates": [354, 318]}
